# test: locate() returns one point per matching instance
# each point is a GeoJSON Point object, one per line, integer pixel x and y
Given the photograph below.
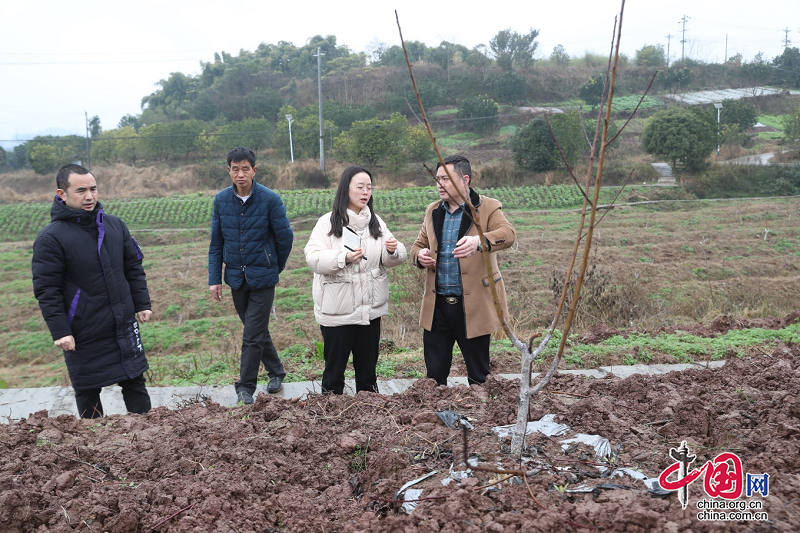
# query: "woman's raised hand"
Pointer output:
{"type": "Point", "coordinates": [354, 256]}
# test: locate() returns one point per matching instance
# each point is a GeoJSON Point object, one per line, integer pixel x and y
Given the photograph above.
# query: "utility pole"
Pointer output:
{"type": "Point", "coordinates": [319, 95]}
{"type": "Point", "coordinates": [719, 108]}
{"type": "Point", "coordinates": [726, 49]}
{"type": "Point", "coordinates": [683, 36]}
{"type": "Point", "coordinates": [669, 38]}
{"type": "Point", "coordinates": [786, 41]}
{"type": "Point", "coordinates": [291, 147]}
{"type": "Point", "coordinates": [88, 149]}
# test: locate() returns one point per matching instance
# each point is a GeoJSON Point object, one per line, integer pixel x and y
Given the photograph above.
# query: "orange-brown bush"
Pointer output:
{"type": "Point", "coordinates": [606, 298]}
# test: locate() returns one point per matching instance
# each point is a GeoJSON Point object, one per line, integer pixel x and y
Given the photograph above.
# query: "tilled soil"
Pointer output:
{"type": "Point", "coordinates": [336, 463]}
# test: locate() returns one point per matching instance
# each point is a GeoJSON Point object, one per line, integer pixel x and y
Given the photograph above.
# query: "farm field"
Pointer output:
{"type": "Point", "coordinates": [24, 220]}
{"type": "Point", "coordinates": [669, 282]}
{"type": "Point", "coordinates": [659, 275]}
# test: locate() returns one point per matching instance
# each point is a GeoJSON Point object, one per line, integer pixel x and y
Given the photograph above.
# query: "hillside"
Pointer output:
{"type": "Point", "coordinates": [267, 99]}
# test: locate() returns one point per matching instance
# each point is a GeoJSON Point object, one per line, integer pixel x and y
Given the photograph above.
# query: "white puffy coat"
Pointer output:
{"type": "Point", "coordinates": [350, 294]}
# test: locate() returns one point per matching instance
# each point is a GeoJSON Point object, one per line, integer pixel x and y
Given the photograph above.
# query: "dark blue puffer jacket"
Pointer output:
{"type": "Point", "coordinates": [253, 238]}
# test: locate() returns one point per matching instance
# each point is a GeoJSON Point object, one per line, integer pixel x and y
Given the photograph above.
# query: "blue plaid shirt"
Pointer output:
{"type": "Point", "coordinates": [448, 274]}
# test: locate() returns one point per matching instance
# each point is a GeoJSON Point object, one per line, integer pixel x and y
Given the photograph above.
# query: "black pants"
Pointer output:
{"type": "Point", "coordinates": [450, 326]}
{"type": "Point", "coordinates": [363, 342]}
{"type": "Point", "coordinates": [254, 308]}
{"type": "Point", "coordinates": [134, 394]}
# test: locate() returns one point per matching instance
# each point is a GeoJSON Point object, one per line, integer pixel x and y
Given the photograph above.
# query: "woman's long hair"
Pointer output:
{"type": "Point", "coordinates": [339, 218]}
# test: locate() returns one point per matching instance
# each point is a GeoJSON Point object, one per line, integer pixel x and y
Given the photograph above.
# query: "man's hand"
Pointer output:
{"type": "Point", "coordinates": [466, 246]}
{"type": "Point", "coordinates": [66, 343]}
{"type": "Point", "coordinates": [144, 316]}
{"type": "Point", "coordinates": [216, 292]}
{"type": "Point", "coordinates": [425, 260]}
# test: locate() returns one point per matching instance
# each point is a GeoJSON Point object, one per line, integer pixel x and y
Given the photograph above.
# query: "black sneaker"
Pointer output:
{"type": "Point", "coordinates": [244, 397]}
{"type": "Point", "coordinates": [275, 385]}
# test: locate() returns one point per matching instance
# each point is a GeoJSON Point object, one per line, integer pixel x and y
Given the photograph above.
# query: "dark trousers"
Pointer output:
{"type": "Point", "coordinates": [450, 326]}
{"type": "Point", "coordinates": [134, 394]}
{"type": "Point", "coordinates": [254, 308]}
{"type": "Point", "coordinates": [363, 342]}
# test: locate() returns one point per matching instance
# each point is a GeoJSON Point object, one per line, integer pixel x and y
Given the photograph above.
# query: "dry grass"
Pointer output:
{"type": "Point", "coordinates": [123, 181]}
{"type": "Point", "coordinates": [115, 181]}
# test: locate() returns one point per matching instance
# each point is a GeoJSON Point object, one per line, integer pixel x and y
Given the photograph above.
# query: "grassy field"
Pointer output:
{"type": "Point", "coordinates": [675, 263]}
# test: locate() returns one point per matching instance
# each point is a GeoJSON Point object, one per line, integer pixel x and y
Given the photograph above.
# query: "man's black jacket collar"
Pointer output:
{"type": "Point", "coordinates": [466, 219]}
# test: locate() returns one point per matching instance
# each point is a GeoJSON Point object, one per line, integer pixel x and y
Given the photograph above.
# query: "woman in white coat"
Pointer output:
{"type": "Point", "coordinates": [349, 251]}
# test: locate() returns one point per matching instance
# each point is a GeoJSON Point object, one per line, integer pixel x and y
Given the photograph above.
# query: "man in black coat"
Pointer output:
{"type": "Point", "coordinates": [90, 284]}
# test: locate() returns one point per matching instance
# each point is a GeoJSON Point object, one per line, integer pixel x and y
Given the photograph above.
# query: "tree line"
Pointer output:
{"type": "Point", "coordinates": [679, 134]}
{"type": "Point", "coordinates": [369, 106]}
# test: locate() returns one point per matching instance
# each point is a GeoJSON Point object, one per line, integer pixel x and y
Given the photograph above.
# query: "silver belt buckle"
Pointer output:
{"type": "Point", "coordinates": [452, 300]}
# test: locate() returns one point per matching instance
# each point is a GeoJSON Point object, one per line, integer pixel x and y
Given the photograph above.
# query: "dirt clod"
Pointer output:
{"type": "Point", "coordinates": [279, 465]}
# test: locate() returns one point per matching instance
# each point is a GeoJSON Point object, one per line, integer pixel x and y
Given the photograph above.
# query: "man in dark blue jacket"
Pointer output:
{"type": "Point", "coordinates": [250, 233]}
{"type": "Point", "coordinates": [90, 284]}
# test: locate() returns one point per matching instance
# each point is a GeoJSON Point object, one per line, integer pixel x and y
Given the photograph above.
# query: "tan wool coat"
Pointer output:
{"type": "Point", "coordinates": [478, 304]}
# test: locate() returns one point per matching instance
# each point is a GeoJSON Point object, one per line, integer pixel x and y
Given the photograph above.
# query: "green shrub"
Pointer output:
{"type": "Point", "coordinates": [480, 113]}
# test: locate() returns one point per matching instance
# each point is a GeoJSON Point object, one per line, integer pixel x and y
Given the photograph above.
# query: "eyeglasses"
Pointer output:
{"type": "Point", "coordinates": [361, 189]}
{"type": "Point", "coordinates": [445, 179]}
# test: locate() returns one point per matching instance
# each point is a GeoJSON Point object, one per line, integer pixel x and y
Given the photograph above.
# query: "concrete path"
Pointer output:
{"type": "Point", "coordinates": [16, 404]}
{"type": "Point", "coordinates": [755, 159]}
{"type": "Point", "coordinates": [665, 177]}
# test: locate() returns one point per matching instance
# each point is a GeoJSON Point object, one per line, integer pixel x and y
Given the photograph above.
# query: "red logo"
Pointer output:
{"type": "Point", "coordinates": [718, 481]}
{"type": "Point", "coordinates": [723, 481]}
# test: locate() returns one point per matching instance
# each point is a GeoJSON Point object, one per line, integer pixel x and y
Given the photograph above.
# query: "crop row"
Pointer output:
{"type": "Point", "coordinates": [23, 221]}
{"type": "Point", "coordinates": [629, 103]}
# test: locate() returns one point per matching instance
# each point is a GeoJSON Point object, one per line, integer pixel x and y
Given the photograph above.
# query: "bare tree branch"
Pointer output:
{"type": "Point", "coordinates": [590, 207]}
{"type": "Point", "coordinates": [598, 181]}
{"type": "Point", "coordinates": [616, 197]}
{"type": "Point", "coordinates": [635, 109]}
{"type": "Point", "coordinates": [472, 211]}
{"type": "Point", "coordinates": [564, 158]}
{"type": "Point", "coordinates": [518, 435]}
{"type": "Point", "coordinates": [412, 111]}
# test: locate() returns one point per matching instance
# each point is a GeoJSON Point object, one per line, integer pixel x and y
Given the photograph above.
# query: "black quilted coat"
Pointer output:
{"type": "Point", "coordinates": [89, 280]}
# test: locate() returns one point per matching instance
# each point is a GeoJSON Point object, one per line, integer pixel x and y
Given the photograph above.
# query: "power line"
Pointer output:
{"type": "Point", "coordinates": [44, 63]}
{"type": "Point", "coordinates": [727, 24]}
{"type": "Point", "coordinates": [18, 54]}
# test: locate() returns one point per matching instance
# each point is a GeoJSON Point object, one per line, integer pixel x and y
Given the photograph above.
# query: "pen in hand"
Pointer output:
{"type": "Point", "coordinates": [364, 257]}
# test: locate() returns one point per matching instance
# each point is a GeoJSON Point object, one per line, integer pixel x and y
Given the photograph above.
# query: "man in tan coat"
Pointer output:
{"type": "Point", "coordinates": [457, 305]}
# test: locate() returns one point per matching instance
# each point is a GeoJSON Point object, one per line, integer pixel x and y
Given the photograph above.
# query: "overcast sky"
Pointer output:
{"type": "Point", "coordinates": [59, 59]}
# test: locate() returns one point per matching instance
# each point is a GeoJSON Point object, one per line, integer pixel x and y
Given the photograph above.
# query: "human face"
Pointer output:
{"type": "Point", "coordinates": [360, 191]}
{"type": "Point", "coordinates": [453, 194]}
{"type": "Point", "coordinates": [81, 193]}
{"type": "Point", "coordinates": [242, 176]}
